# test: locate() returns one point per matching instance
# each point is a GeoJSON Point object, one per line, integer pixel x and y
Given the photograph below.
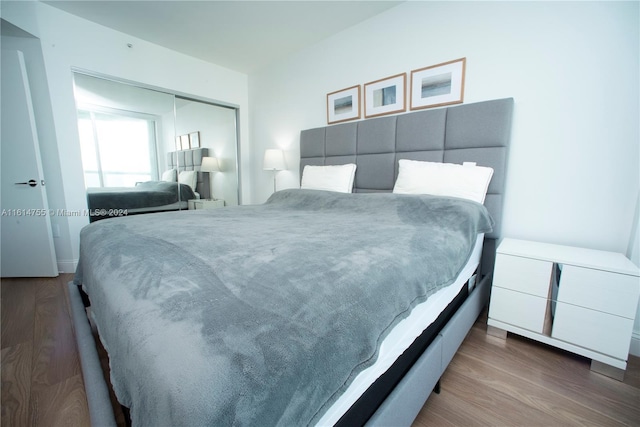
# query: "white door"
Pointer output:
{"type": "Point", "coordinates": [27, 242]}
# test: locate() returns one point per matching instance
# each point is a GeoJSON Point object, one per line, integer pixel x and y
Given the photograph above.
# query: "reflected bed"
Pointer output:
{"type": "Point", "coordinates": [153, 196]}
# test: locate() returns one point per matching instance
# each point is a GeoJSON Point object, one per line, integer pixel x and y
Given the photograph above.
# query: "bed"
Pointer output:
{"type": "Point", "coordinates": [154, 196]}
{"type": "Point", "coordinates": [262, 289]}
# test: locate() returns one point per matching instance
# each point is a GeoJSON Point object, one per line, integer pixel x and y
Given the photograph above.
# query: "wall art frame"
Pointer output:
{"type": "Point", "coordinates": [194, 139]}
{"type": "Point", "coordinates": [385, 96]}
{"type": "Point", "coordinates": [343, 105]}
{"type": "Point", "coordinates": [184, 142]}
{"type": "Point", "coordinates": [438, 85]}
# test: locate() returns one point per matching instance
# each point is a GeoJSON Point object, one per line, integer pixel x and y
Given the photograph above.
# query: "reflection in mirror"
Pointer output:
{"type": "Point", "coordinates": [104, 136]}
{"type": "Point", "coordinates": [122, 130]}
{"type": "Point", "coordinates": [211, 128]}
{"type": "Point", "coordinates": [133, 149]}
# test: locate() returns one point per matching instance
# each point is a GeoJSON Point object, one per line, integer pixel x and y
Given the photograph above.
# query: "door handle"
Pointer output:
{"type": "Point", "coordinates": [31, 182]}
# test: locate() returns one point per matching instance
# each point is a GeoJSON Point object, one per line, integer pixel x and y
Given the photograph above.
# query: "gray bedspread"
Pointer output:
{"type": "Point", "coordinates": [262, 315]}
{"type": "Point", "coordinates": [143, 195]}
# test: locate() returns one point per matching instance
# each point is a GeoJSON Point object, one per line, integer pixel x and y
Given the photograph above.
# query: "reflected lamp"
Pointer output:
{"type": "Point", "coordinates": [210, 165]}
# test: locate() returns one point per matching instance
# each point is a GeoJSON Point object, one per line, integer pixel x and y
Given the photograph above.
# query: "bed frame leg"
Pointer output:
{"type": "Point", "coordinates": [436, 389]}
{"type": "Point", "coordinates": [84, 296]}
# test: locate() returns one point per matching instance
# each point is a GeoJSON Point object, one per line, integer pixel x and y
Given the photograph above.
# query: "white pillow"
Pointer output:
{"type": "Point", "coordinates": [169, 175]}
{"type": "Point", "coordinates": [466, 181]}
{"type": "Point", "coordinates": [330, 178]}
{"type": "Point", "coordinates": [188, 177]}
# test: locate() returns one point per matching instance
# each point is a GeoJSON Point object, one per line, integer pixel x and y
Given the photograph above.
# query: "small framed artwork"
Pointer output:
{"type": "Point", "coordinates": [343, 105]}
{"type": "Point", "coordinates": [194, 139]}
{"type": "Point", "coordinates": [178, 143]}
{"type": "Point", "coordinates": [385, 96]}
{"type": "Point", "coordinates": [184, 142]}
{"type": "Point", "coordinates": [438, 85]}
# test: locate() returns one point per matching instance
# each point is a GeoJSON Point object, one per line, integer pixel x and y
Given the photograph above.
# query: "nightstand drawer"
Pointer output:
{"type": "Point", "coordinates": [592, 329]}
{"type": "Point", "coordinates": [599, 290]}
{"type": "Point", "coordinates": [205, 203]}
{"type": "Point", "coordinates": [518, 309]}
{"type": "Point", "coordinates": [526, 275]}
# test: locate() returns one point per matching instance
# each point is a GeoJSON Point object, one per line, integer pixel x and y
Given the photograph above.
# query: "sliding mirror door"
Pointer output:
{"type": "Point", "coordinates": [146, 150]}
{"type": "Point", "coordinates": [213, 128]}
{"type": "Point", "coordinates": [125, 132]}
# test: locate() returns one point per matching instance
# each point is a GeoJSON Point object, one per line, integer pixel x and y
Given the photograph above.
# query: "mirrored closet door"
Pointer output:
{"type": "Point", "coordinates": [146, 150]}
{"type": "Point", "coordinates": [214, 128]}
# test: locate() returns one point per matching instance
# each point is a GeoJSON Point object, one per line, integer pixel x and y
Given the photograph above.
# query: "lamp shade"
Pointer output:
{"type": "Point", "coordinates": [210, 164]}
{"type": "Point", "coordinates": [274, 160]}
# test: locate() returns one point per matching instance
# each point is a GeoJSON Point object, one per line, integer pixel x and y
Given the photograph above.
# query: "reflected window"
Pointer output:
{"type": "Point", "coordinates": [118, 149]}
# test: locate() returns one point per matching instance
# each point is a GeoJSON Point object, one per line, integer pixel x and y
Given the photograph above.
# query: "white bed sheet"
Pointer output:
{"type": "Point", "coordinates": [402, 336]}
{"type": "Point", "coordinates": [171, 207]}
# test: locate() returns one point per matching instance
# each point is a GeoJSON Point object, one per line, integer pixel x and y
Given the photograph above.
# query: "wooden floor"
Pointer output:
{"type": "Point", "coordinates": [490, 381]}
{"type": "Point", "coordinates": [41, 376]}
{"type": "Point", "coordinates": [520, 382]}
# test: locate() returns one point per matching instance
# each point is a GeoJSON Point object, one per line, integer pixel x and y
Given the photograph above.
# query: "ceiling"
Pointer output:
{"type": "Point", "coordinates": [241, 35]}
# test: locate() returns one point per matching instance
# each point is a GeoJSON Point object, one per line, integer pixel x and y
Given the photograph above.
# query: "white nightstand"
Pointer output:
{"type": "Point", "coordinates": [205, 203]}
{"type": "Point", "coordinates": [581, 300]}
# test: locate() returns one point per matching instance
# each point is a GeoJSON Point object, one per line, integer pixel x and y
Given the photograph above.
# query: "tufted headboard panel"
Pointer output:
{"type": "Point", "coordinates": [189, 160]}
{"type": "Point", "coordinates": [478, 132]}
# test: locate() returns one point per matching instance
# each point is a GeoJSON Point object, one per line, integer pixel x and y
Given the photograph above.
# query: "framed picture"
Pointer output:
{"type": "Point", "coordinates": [441, 84]}
{"type": "Point", "coordinates": [194, 139]}
{"type": "Point", "coordinates": [184, 142]}
{"type": "Point", "coordinates": [343, 105]}
{"type": "Point", "coordinates": [178, 143]}
{"type": "Point", "coordinates": [385, 96]}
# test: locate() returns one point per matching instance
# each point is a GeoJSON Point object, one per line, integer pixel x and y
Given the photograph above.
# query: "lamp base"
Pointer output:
{"type": "Point", "coordinates": [274, 180]}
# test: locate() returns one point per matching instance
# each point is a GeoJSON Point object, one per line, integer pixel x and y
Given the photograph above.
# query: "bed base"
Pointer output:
{"type": "Point", "coordinates": [404, 403]}
{"type": "Point", "coordinates": [95, 386]}
{"type": "Point", "coordinates": [400, 408]}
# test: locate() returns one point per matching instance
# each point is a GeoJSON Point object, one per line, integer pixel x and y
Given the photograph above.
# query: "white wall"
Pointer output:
{"type": "Point", "coordinates": [70, 43]}
{"type": "Point", "coordinates": [572, 68]}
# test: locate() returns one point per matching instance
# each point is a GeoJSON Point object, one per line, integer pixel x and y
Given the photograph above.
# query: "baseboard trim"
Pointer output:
{"type": "Point", "coordinates": [67, 266]}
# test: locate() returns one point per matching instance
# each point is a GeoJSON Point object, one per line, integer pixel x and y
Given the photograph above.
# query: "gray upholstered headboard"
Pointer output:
{"type": "Point", "coordinates": [478, 132]}
{"type": "Point", "coordinates": [189, 160]}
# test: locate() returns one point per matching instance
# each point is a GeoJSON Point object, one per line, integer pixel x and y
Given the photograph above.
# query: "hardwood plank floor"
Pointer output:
{"type": "Point", "coordinates": [41, 375]}
{"type": "Point", "coordinates": [518, 381]}
{"type": "Point", "coordinates": [490, 381]}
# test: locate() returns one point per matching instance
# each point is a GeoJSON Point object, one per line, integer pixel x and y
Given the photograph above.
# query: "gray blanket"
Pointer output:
{"type": "Point", "coordinates": [143, 195]}
{"type": "Point", "coordinates": [263, 315]}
